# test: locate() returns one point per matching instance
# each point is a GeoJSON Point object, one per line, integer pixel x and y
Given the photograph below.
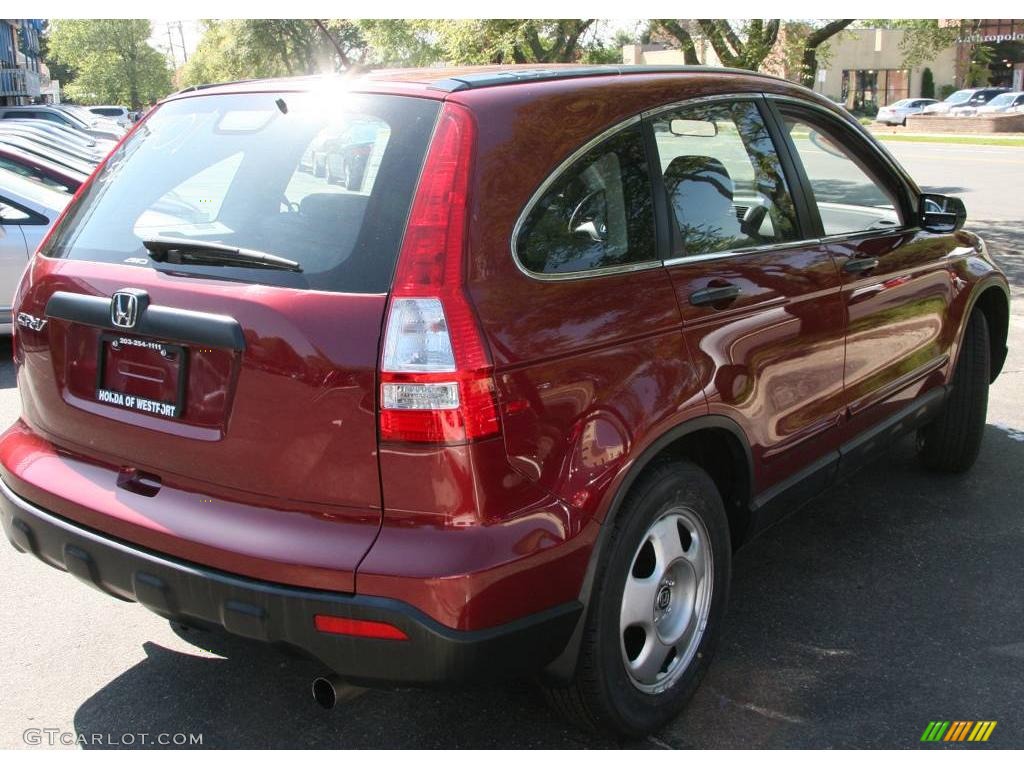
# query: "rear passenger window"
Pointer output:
{"type": "Point", "coordinates": [596, 214]}
{"type": "Point", "coordinates": [723, 178]}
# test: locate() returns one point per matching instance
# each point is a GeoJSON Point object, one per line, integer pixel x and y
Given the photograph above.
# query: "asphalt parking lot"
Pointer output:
{"type": "Point", "coordinates": [892, 600]}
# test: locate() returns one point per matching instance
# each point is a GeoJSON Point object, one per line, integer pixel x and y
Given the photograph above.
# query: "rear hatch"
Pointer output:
{"type": "Point", "coordinates": [214, 307]}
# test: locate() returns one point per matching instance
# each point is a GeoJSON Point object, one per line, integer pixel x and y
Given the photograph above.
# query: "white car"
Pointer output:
{"type": "Point", "coordinates": [119, 115]}
{"type": "Point", "coordinates": [1012, 101]}
{"type": "Point", "coordinates": [897, 112]}
{"type": "Point", "coordinates": [27, 208]}
{"type": "Point", "coordinates": [968, 97]}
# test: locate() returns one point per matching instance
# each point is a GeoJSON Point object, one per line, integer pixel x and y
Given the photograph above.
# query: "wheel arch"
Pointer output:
{"type": "Point", "coordinates": [993, 301]}
{"type": "Point", "coordinates": [713, 442]}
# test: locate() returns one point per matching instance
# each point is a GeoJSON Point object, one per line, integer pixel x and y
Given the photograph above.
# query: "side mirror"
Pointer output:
{"type": "Point", "coordinates": [942, 214]}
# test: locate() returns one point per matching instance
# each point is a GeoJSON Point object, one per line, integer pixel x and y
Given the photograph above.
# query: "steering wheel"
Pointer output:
{"type": "Point", "coordinates": [289, 205]}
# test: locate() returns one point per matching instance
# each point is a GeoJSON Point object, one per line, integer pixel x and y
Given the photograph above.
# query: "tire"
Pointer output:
{"type": "Point", "coordinates": [951, 443]}
{"type": "Point", "coordinates": [613, 689]}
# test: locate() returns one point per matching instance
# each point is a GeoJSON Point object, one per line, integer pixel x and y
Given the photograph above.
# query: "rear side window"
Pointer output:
{"type": "Point", "coordinates": [596, 214]}
{"type": "Point", "coordinates": [251, 171]}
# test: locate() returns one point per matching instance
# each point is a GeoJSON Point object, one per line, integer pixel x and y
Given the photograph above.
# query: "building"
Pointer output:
{"type": "Point", "coordinates": [23, 77]}
{"type": "Point", "coordinates": [864, 67]}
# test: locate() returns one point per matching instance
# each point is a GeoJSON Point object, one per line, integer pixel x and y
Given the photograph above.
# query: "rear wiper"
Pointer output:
{"type": "Point", "coordinates": [182, 251]}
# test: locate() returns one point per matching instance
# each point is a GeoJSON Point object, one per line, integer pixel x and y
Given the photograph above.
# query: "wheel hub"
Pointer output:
{"type": "Point", "coordinates": [666, 600]}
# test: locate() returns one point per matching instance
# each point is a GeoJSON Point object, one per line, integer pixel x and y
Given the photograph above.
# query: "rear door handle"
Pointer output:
{"type": "Point", "coordinates": [856, 266]}
{"type": "Point", "coordinates": [717, 295]}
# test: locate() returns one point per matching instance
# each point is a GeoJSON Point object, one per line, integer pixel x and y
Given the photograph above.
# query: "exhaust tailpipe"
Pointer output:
{"type": "Point", "coordinates": [331, 690]}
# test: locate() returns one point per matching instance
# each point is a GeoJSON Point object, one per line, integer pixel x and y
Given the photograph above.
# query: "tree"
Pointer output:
{"type": "Point", "coordinates": [507, 41]}
{"type": "Point", "coordinates": [813, 41]}
{"type": "Point", "coordinates": [927, 84]}
{"type": "Point", "coordinates": [744, 46]}
{"type": "Point", "coordinates": [679, 29]}
{"type": "Point", "coordinates": [236, 49]}
{"type": "Point", "coordinates": [110, 59]}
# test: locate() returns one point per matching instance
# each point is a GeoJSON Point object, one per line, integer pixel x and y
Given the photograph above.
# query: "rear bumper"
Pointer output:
{"type": "Point", "coordinates": [275, 613]}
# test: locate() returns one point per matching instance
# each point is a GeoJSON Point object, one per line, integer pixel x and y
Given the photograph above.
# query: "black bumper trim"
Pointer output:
{"type": "Point", "coordinates": [276, 613]}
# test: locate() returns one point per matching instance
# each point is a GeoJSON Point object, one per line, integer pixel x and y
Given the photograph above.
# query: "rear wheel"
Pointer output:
{"type": "Point", "coordinates": [951, 443]}
{"type": "Point", "coordinates": [658, 600]}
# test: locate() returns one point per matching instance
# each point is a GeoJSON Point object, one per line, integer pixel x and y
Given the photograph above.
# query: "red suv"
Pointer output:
{"type": "Point", "coordinates": [509, 403]}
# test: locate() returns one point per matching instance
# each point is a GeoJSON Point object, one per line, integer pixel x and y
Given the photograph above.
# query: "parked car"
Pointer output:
{"type": "Point", "coordinates": [18, 128]}
{"type": "Point", "coordinates": [968, 97]}
{"type": "Point", "coordinates": [119, 115]}
{"type": "Point", "coordinates": [96, 123]}
{"type": "Point", "coordinates": [40, 169]}
{"type": "Point", "coordinates": [513, 407]}
{"type": "Point", "coordinates": [55, 156]}
{"type": "Point", "coordinates": [78, 138]}
{"type": "Point", "coordinates": [27, 208]}
{"type": "Point", "coordinates": [1011, 101]}
{"type": "Point", "coordinates": [62, 116]}
{"type": "Point", "coordinates": [347, 157]}
{"type": "Point", "coordinates": [897, 112]}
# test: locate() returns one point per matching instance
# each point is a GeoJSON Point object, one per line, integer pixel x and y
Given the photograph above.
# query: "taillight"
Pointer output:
{"type": "Point", "coordinates": [437, 383]}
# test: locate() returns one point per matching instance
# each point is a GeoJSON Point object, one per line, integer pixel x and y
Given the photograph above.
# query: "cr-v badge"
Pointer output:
{"type": "Point", "coordinates": [25, 320]}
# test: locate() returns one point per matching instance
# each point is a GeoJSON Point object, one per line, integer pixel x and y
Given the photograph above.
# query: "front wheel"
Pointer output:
{"type": "Point", "coordinates": [952, 442]}
{"type": "Point", "coordinates": [658, 601]}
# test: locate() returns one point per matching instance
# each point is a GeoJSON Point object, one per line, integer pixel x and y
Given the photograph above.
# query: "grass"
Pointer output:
{"type": "Point", "coordinates": [992, 141]}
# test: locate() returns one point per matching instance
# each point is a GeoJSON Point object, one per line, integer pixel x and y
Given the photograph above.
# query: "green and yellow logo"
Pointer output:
{"type": "Point", "coordinates": [958, 730]}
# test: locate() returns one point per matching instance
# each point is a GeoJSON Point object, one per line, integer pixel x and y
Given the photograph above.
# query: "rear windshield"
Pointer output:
{"type": "Point", "coordinates": [322, 179]}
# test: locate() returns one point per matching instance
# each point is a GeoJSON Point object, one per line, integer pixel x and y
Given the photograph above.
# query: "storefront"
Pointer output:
{"type": "Point", "coordinates": [879, 87]}
{"type": "Point", "coordinates": [993, 51]}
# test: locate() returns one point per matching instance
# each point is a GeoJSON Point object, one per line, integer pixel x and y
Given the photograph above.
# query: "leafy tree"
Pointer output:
{"type": "Point", "coordinates": [236, 49]}
{"type": "Point", "coordinates": [743, 44]}
{"type": "Point", "coordinates": [110, 59]}
{"type": "Point", "coordinates": [927, 84]}
{"type": "Point", "coordinates": [507, 41]}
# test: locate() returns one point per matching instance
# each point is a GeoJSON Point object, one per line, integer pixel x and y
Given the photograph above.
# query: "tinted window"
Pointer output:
{"type": "Point", "coordinates": [849, 195]}
{"type": "Point", "coordinates": [723, 178]}
{"type": "Point", "coordinates": [107, 111]}
{"type": "Point", "coordinates": [596, 214]}
{"type": "Point", "coordinates": [237, 170]}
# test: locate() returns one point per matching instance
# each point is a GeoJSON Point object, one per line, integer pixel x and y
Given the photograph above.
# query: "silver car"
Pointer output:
{"type": "Point", "coordinates": [897, 112]}
{"type": "Point", "coordinates": [62, 116]}
{"type": "Point", "coordinates": [27, 208]}
{"type": "Point", "coordinates": [1011, 101]}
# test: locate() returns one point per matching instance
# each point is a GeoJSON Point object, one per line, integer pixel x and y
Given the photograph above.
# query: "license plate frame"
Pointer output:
{"type": "Point", "coordinates": [133, 402]}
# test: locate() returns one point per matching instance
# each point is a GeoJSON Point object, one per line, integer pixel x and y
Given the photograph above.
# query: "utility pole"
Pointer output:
{"type": "Point", "coordinates": [171, 45]}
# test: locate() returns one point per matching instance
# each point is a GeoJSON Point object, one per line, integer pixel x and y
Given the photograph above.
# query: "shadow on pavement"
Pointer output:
{"type": "Point", "coordinates": [892, 600]}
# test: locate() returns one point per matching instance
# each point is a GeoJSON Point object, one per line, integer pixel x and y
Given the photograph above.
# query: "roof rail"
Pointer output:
{"type": "Point", "coordinates": [204, 86]}
{"type": "Point", "coordinates": [511, 76]}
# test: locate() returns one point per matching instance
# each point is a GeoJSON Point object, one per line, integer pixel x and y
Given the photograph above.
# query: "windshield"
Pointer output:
{"type": "Point", "coordinates": [902, 103]}
{"type": "Point", "coordinates": [324, 180]}
{"type": "Point", "coordinates": [1003, 100]}
{"type": "Point", "coordinates": [956, 98]}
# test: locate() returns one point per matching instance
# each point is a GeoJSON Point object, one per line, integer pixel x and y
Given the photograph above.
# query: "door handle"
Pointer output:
{"type": "Point", "coordinates": [716, 295]}
{"type": "Point", "coordinates": [856, 266]}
